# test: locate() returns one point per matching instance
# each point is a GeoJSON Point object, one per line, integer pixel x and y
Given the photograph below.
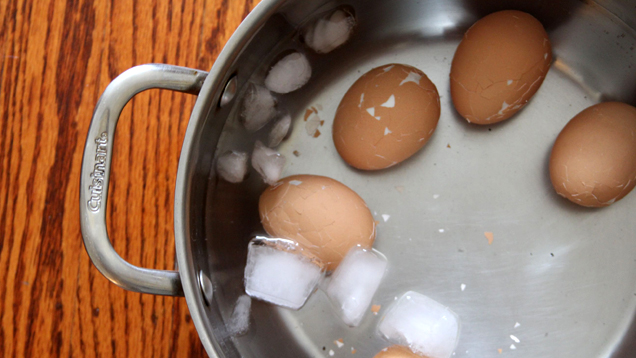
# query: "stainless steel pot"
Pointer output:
{"type": "Point", "coordinates": [566, 274]}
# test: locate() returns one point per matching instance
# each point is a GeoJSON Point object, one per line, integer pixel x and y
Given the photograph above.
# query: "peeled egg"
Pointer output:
{"type": "Point", "coordinates": [386, 116]}
{"type": "Point", "coordinates": [319, 213]}
{"type": "Point", "coordinates": [593, 161]}
{"type": "Point", "coordinates": [397, 352]}
{"type": "Point", "coordinates": [498, 66]}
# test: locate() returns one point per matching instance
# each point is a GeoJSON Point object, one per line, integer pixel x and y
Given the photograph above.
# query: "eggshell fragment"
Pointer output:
{"type": "Point", "coordinates": [593, 161]}
{"type": "Point", "coordinates": [490, 236]}
{"type": "Point", "coordinates": [320, 213]}
{"type": "Point", "coordinates": [499, 65]}
{"type": "Point", "coordinates": [396, 351]}
{"type": "Point", "coordinates": [386, 116]}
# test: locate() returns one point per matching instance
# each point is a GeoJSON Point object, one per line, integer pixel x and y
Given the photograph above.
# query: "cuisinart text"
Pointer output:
{"type": "Point", "coordinates": [99, 170]}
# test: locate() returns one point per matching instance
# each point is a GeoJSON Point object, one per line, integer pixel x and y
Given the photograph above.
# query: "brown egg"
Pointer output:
{"type": "Point", "coordinates": [593, 161]}
{"type": "Point", "coordinates": [499, 65]}
{"type": "Point", "coordinates": [397, 352]}
{"type": "Point", "coordinates": [385, 117]}
{"type": "Point", "coordinates": [319, 213]}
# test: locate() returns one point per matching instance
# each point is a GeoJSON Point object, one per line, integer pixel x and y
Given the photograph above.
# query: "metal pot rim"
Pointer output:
{"type": "Point", "coordinates": [210, 92]}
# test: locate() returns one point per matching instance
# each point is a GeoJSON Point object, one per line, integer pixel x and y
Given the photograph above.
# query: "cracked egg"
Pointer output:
{"type": "Point", "coordinates": [499, 65]}
{"type": "Point", "coordinates": [396, 351]}
{"type": "Point", "coordinates": [593, 161]}
{"type": "Point", "coordinates": [386, 116]}
{"type": "Point", "coordinates": [319, 213]}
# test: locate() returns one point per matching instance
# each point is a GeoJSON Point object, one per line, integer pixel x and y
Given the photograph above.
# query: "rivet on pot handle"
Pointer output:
{"type": "Point", "coordinates": [96, 172]}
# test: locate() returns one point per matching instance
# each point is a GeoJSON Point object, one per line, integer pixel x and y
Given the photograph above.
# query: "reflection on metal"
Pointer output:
{"type": "Point", "coordinates": [206, 287]}
{"type": "Point", "coordinates": [578, 77]}
{"type": "Point", "coordinates": [229, 92]}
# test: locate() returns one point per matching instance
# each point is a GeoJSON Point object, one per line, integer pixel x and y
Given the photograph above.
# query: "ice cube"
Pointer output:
{"type": "Point", "coordinates": [279, 131]}
{"type": "Point", "coordinates": [289, 74]}
{"type": "Point", "coordinates": [267, 162]}
{"type": "Point", "coordinates": [240, 320]}
{"type": "Point", "coordinates": [232, 166]}
{"type": "Point", "coordinates": [422, 324]}
{"type": "Point", "coordinates": [259, 107]}
{"type": "Point", "coordinates": [328, 33]}
{"type": "Point", "coordinates": [354, 283]}
{"type": "Point", "coordinates": [282, 277]}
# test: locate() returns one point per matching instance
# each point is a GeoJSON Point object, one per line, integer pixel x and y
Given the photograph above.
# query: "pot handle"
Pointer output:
{"type": "Point", "coordinates": [96, 172]}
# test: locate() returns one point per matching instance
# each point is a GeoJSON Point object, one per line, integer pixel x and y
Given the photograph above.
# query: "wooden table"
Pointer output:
{"type": "Point", "coordinates": [57, 58]}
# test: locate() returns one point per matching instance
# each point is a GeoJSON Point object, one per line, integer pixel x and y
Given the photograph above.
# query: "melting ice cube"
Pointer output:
{"type": "Point", "coordinates": [289, 74]}
{"type": "Point", "coordinates": [279, 131]}
{"type": "Point", "coordinates": [422, 324]}
{"type": "Point", "coordinates": [354, 283]}
{"type": "Point", "coordinates": [232, 166]}
{"type": "Point", "coordinates": [279, 276]}
{"type": "Point", "coordinates": [267, 162]}
{"type": "Point", "coordinates": [259, 107]}
{"type": "Point", "coordinates": [327, 33]}
{"type": "Point", "coordinates": [240, 319]}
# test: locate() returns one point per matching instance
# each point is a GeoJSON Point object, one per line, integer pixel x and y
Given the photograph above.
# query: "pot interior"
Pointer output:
{"type": "Point", "coordinates": [566, 274]}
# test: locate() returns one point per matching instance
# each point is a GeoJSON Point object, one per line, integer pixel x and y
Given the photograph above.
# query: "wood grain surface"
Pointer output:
{"type": "Point", "coordinates": [57, 58]}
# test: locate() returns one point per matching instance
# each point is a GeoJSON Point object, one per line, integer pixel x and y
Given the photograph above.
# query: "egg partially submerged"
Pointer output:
{"type": "Point", "coordinates": [319, 213]}
{"type": "Point", "coordinates": [593, 161]}
{"type": "Point", "coordinates": [386, 116]}
{"type": "Point", "coordinates": [396, 351]}
{"type": "Point", "coordinates": [499, 65]}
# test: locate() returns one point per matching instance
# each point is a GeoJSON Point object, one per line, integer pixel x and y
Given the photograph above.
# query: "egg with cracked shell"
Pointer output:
{"type": "Point", "coordinates": [593, 160]}
{"type": "Point", "coordinates": [321, 214]}
{"type": "Point", "coordinates": [499, 65]}
{"type": "Point", "coordinates": [397, 351]}
{"type": "Point", "coordinates": [386, 116]}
